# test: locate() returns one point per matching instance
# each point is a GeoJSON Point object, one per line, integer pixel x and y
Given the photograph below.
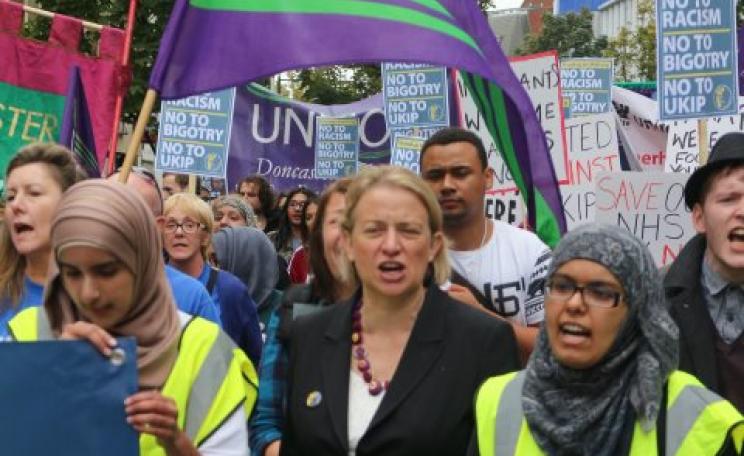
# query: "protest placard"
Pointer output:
{"type": "Point", "coordinates": [406, 152]}
{"type": "Point", "coordinates": [642, 136]}
{"type": "Point", "coordinates": [592, 149]}
{"type": "Point", "coordinates": [507, 207]}
{"type": "Point", "coordinates": [471, 119]}
{"type": "Point", "coordinates": [586, 86]}
{"type": "Point", "coordinates": [696, 58]}
{"type": "Point", "coordinates": [686, 139]}
{"type": "Point", "coordinates": [539, 75]}
{"type": "Point", "coordinates": [194, 134]}
{"type": "Point", "coordinates": [415, 95]}
{"type": "Point", "coordinates": [649, 205]}
{"type": "Point", "coordinates": [336, 147]}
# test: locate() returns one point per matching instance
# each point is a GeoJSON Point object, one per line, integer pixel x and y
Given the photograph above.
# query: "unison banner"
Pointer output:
{"type": "Point", "coordinates": [274, 137]}
{"type": "Point", "coordinates": [34, 79]}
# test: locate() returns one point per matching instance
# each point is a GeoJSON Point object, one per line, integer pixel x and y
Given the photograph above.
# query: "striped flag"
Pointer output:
{"type": "Point", "coordinates": [76, 131]}
{"type": "Point", "coordinates": [215, 44]}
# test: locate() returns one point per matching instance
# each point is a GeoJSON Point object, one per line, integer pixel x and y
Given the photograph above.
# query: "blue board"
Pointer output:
{"type": "Point", "coordinates": [65, 398]}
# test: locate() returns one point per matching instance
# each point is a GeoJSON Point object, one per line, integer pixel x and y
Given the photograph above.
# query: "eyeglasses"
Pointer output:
{"type": "Point", "coordinates": [595, 294]}
{"type": "Point", "coordinates": [297, 204]}
{"type": "Point", "coordinates": [188, 226]}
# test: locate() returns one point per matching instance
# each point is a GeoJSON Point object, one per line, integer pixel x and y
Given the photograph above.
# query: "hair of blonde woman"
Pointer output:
{"type": "Point", "coordinates": [64, 171]}
{"type": "Point", "coordinates": [401, 178]}
{"type": "Point", "coordinates": [195, 207]}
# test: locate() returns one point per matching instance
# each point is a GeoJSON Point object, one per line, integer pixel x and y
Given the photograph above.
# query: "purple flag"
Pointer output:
{"type": "Point", "coordinates": [215, 44]}
{"type": "Point", "coordinates": [76, 132]}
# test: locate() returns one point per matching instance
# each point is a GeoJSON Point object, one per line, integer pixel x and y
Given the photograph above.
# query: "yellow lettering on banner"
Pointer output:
{"type": "Point", "coordinates": [14, 122]}
{"type": "Point", "coordinates": [47, 128]}
{"type": "Point", "coordinates": [29, 124]}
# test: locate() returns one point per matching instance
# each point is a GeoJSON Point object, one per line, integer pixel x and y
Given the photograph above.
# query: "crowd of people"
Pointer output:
{"type": "Point", "coordinates": [385, 316]}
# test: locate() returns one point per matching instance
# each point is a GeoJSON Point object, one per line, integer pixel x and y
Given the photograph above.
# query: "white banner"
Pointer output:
{"type": "Point", "coordinates": [643, 137]}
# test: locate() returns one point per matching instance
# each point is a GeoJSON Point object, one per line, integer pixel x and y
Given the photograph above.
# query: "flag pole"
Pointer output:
{"type": "Point", "coordinates": [120, 97]}
{"type": "Point", "coordinates": [139, 131]}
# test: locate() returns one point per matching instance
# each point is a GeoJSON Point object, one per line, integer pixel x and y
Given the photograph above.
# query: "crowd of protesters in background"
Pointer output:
{"type": "Point", "coordinates": [381, 316]}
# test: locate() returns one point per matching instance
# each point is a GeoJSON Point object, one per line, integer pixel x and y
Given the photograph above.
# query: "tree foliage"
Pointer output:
{"type": "Point", "coordinates": [339, 84]}
{"type": "Point", "coordinates": [635, 52]}
{"type": "Point", "coordinates": [570, 34]}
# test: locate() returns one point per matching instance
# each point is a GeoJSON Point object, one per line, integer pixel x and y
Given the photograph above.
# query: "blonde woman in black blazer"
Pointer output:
{"type": "Point", "coordinates": [394, 370]}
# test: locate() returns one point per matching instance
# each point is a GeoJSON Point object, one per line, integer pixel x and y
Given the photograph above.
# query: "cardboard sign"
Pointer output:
{"type": "Point", "coordinates": [649, 205]}
{"type": "Point", "coordinates": [687, 141]}
{"type": "Point", "coordinates": [194, 134]}
{"type": "Point", "coordinates": [336, 147]}
{"type": "Point", "coordinates": [415, 95]}
{"type": "Point", "coordinates": [696, 58]}
{"type": "Point", "coordinates": [586, 85]}
{"type": "Point", "coordinates": [507, 207]}
{"type": "Point", "coordinates": [406, 152]}
{"type": "Point", "coordinates": [540, 77]}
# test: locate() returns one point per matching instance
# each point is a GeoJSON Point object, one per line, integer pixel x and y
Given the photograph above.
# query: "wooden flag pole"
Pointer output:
{"type": "Point", "coordinates": [120, 97]}
{"type": "Point", "coordinates": [703, 142]}
{"type": "Point", "coordinates": [192, 185]}
{"type": "Point", "coordinates": [139, 131]}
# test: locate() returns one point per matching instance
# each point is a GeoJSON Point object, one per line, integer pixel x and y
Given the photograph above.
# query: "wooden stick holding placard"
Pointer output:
{"type": "Point", "coordinates": [703, 142]}
{"type": "Point", "coordinates": [139, 131]}
{"type": "Point", "coordinates": [192, 185]}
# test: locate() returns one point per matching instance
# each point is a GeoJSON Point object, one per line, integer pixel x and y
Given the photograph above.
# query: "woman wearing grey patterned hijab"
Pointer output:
{"type": "Point", "coordinates": [605, 356]}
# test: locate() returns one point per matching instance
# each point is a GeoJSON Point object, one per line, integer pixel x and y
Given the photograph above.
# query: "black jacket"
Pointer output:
{"type": "Point", "coordinates": [684, 293]}
{"type": "Point", "coordinates": [428, 409]}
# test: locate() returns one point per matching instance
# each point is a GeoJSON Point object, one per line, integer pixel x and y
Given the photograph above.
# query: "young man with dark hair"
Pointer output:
{"type": "Point", "coordinates": [705, 284]}
{"type": "Point", "coordinates": [498, 268]}
{"type": "Point", "coordinates": [256, 191]}
{"type": "Point", "coordinates": [174, 183]}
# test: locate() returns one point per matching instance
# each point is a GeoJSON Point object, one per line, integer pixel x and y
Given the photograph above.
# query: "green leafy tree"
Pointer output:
{"type": "Point", "coordinates": [339, 84]}
{"type": "Point", "coordinates": [570, 34]}
{"type": "Point", "coordinates": [635, 52]}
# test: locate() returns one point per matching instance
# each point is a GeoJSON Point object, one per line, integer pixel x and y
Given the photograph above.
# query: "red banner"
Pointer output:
{"type": "Point", "coordinates": [32, 65]}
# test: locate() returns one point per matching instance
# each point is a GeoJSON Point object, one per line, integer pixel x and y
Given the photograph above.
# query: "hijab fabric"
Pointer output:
{"type": "Point", "coordinates": [112, 217]}
{"type": "Point", "coordinates": [583, 412]}
{"type": "Point", "coordinates": [248, 254]}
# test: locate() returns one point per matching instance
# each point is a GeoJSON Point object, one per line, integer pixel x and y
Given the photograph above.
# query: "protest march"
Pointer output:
{"type": "Point", "coordinates": [389, 227]}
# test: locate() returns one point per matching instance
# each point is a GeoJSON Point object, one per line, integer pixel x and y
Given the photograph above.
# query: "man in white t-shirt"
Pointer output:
{"type": "Point", "coordinates": [504, 267]}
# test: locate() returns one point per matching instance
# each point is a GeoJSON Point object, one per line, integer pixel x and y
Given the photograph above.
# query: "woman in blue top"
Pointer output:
{"type": "Point", "coordinates": [36, 178]}
{"type": "Point", "coordinates": [187, 230]}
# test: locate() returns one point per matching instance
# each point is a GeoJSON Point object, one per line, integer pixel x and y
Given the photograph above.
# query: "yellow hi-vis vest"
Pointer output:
{"type": "Point", "coordinates": [210, 379]}
{"type": "Point", "coordinates": [697, 422]}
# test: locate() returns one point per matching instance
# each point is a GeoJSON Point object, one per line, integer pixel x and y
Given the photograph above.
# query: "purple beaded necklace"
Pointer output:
{"type": "Point", "coordinates": [374, 387]}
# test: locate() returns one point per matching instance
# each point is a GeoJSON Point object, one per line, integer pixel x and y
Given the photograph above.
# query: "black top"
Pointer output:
{"type": "Point", "coordinates": [428, 409]}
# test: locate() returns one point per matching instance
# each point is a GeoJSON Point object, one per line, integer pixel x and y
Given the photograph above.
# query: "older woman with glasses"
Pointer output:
{"type": "Point", "coordinates": [391, 371]}
{"type": "Point", "coordinates": [187, 233]}
{"type": "Point", "coordinates": [602, 378]}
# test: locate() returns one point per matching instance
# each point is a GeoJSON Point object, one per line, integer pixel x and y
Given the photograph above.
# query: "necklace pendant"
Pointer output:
{"type": "Point", "coordinates": [375, 387]}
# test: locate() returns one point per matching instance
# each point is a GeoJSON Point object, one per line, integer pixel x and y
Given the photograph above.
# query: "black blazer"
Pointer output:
{"type": "Point", "coordinates": [428, 408]}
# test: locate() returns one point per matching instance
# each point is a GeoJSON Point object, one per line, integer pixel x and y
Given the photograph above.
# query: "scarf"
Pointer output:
{"type": "Point", "coordinates": [583, 412]}
{"type": "Point", "coordinates": [111, 217]}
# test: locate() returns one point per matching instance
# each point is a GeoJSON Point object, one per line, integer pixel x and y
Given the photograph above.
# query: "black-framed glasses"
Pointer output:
{"type": "Point", "coordinates": [595, 294]}
{"type": "Point", "coordinates": [188, 226]}
{"type": "Point", "coordinates": [299, 205]}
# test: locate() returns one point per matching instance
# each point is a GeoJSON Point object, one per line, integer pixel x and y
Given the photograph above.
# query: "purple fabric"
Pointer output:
{"type": "Point", "coordinates": [76, 130]}
{"type": "Point", "coordinates": [204, 50]}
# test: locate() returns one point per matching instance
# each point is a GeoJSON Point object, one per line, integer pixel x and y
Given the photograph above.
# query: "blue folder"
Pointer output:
{"type": "Point", "coordinates": [65, 398]}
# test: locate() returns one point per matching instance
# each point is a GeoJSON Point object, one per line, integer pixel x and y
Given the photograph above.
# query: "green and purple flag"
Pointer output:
{"type": "Point", "coordinates": [76, 131]}
{"type": "Point", "coordinates": [215, 44]}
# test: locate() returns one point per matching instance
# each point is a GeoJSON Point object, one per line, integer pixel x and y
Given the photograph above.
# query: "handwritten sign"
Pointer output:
{"type": "Point", "coordinates": [336, 147]}
{"type": "Point", "coordinates": [592, 149]}
{"type": "Point", "coordinates": [649, 205]}
{"type": "Point", "coordinates": [407, 152]}
{"type": "Point", "coordinates": [415, 95]}
{"type": "Point", "coordinates": [586, 85]}
{"type": "Point", "coordinates": [697, 58]}
{"type": "Point", "coordinates": [540, 77]}
{"type": "Point", "coordinates": [507, 207]}
{"type": "Point", "coordinates": [686, 139]}
{"type": "Point", "coordinates": [194, 134]}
